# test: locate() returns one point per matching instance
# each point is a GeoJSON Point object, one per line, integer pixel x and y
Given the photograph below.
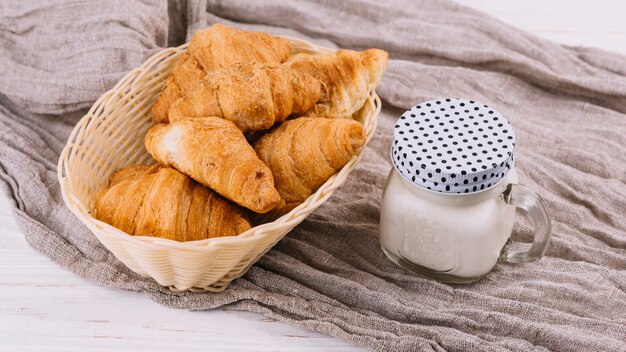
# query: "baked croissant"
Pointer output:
{"type": "Point", "coordinates": [303, 153]}
{"type": "Point", "coordinates": [214, 152]}
{"type": "Point", "coordinates": [184, 76]}
{"type": "Point", "coordinates": [213, 48]}
{"type": "Point", "coordinates": [161, 202]}
{"type": "Point", "coordinates": [254, 97]}
{"type": "Point", "coordinates": [220, 46]}
{"type": "Point", "coordinates": [348, 75]}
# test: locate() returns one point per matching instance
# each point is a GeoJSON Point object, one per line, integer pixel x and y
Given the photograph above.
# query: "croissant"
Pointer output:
{"type": "Point", "coordinates": [220, 46]}
{"type": "Point", "coordinates": [254, 97]}
{"type": "Point", "coordinates": [213, 48]}
{"type": "Point", "coordinates": [348, 75]}
{"type": "Point", "coordinates": [161, 202]}
{"type": "Point", "coordinates": [214, 152]}
{"type": "Point", "coordinates": [303, 153]}
{"type": "Point", "coordinates": [184, 76]}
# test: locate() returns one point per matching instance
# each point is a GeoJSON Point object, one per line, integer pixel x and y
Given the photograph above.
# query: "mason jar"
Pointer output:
{"type": "Point", "coordinates": [448, 207]}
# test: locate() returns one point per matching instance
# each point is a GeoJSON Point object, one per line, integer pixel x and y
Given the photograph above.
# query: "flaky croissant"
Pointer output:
{"type": "Point", "coordinates": [220, 46]}
{"type": "Point", "coordinates": [161, 202]}
{"type": "Point", "coordinates": [348, 75]}
{"type": "Point", "coordinates": [184, 76]}
{"type": "Point", "coordinates": [213, 48]}
{"type": "Point", "coordinates": [254, 97]}
{"type": "Point", "coordinates": [214, 152]}
{"type": "Point", "coordinates": [303, 153]}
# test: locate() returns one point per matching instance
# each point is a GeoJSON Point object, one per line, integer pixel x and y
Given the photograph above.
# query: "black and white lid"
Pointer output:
{"type": "Point", "coordinates": [453, 146]}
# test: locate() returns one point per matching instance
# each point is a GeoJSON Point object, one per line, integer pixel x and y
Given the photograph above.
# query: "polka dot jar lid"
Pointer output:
{"type": "Point", "coordinates": [453, 146]}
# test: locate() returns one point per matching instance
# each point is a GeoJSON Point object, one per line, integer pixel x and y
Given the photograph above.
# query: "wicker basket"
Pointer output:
{"type": "Point", "coordinates": [111, 136]}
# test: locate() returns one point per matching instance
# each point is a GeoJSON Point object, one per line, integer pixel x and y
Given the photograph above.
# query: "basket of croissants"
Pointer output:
{"type": "Point", "coordinates": [197, 162]}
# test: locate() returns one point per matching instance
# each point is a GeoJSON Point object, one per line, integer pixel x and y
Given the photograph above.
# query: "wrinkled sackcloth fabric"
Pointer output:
{"type": "Point", "coordinates": [567, 106]}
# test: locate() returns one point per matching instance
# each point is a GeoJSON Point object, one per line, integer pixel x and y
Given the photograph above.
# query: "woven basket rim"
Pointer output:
{"type": "Point", "coordinates": [296, 215]}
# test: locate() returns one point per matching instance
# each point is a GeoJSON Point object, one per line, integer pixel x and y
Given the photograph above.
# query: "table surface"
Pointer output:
{"type": "Point", "coordinates": [44, 307]}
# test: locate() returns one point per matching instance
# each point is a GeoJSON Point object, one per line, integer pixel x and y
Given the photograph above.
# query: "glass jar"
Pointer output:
{"type": "Point", "coordinates": [448, 207]}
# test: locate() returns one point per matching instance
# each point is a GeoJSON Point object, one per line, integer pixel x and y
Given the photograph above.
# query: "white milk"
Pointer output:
{"type": "Point", "coordinates": [455, 234]}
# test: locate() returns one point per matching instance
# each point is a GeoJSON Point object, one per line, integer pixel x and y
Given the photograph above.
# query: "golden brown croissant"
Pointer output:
{"type": "Point", "coordinates": [303, 153]}
{"type": "Point", "coordinates": [184, 76]}
{"type": "Point", "coordinates": [349, 76]}
{"type": "Point", "coordinates": [254, 97]}
{"type": "Point", "coordinates": [161, 202]}
{"type": "Point", "coordinates": [220, 46]}
{"type": "Point", "coordinates": [168, 96]}
{"type": "Point", "coordinates": [213, 48]}
{"type": "Point", "coordinates": [214, 152]}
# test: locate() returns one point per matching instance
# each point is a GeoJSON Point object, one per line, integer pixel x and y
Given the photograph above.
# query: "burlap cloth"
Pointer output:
{"type": "Point", "coordinates": [567, 106]}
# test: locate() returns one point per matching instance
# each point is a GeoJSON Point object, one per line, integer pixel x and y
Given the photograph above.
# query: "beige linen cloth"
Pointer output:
{"type": "Point", "coordinates": [567, 105]}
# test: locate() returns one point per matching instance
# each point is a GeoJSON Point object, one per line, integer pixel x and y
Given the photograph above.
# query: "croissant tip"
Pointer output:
{"type": "Point", "coordinates": [357, 136]}
{"type": "Point", "coordinates": [377, 54]}
{"type": "Point", "coordinates": [377, 57]}
{"type": "Point", "coordinates": [268, 199]}
{"type": "Point", "coordinates": [244, 224]}
{"type": "Point", "coordinates": [156, 114]}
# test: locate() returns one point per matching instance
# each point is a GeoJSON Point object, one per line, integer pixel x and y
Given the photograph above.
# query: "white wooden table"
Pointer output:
{"type": "Point", "coordinates": [45, 308]}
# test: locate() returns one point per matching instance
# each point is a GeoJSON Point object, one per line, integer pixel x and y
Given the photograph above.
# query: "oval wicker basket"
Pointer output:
{"type": "Point", "coordinates": [111, 136]}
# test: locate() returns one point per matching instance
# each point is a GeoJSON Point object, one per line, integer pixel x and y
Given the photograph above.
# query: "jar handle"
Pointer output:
{"type": "Point", "coordinates": [533, 204]}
